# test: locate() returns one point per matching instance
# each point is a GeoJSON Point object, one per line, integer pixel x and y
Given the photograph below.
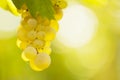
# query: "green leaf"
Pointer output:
{"type": "Point", "coordinates": [43, 8]}
{"type": "Point", "coordinates": [18, 3]}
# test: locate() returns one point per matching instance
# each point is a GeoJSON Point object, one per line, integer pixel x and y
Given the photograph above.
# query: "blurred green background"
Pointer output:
{"type": "Point", "coordinates": [97, 59]}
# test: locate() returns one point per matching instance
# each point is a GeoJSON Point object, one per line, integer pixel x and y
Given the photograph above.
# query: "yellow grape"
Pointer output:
{"type": "Point", "coordinates": [42, 61]}
{"type": "Point", "coordinates": [47, 44]}
{"type": "Point", "coordinates": [25, 15]}
{"type": "Point", "coordinates": [38, 43]}
{"type": "Point", "coordinates": [50, 34]}
{"type": "Point", "coordinates": [61, 4]}
{"type": "Point", "coordinates": [39, 50]}
{"type": "Point", "coordinates": [31, 35]}
{"type": "Point", "coordinates": [29, 23]}
{"type": "Point", "coordinates": [58, 14]}
{"type": "Point", "coordinates": [46, 22]}
{"type": "Point", "coordinates": [47, 50]}
{"type": "Point", "coordinates": [24, 57]}
{"type": "Point", "coordinates": [30, 52]}
{"type": "Point", "coordinates": [41, 35]}
{"type": "Point", "coordinates": [22, 44]}
{"type": "Point", "coordinates": [32, 22]}
{"type": "Point", "coordinates": [40, 27]}
{"type": "Point", "coordinates": [21, 34]}
{"type": "Point", "coordinates": [33, 66]}
{"type": "Point", "coordinates": [54, 24]}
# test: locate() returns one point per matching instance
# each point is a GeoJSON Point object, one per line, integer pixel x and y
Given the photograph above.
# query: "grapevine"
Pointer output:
{"type": "Point", "coordinates": [35, 35]}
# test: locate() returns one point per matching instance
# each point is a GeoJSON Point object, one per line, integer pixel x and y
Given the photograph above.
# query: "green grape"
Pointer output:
{"type": "Point", "coordinates": [29, 23]}
{"type": "Point", "coordinates": [47, 44]}
{"type": "Point", "coordinates": [42, 61]}
{"type": "Point", "coordinates": [33, 66]}
{"type": "Point", "coordinates": [32, 22]}
{"type": "Point", "coordinates": [22, 44]}
{"type": "Point", "coordinates": [39, 27]}
{"type": "Point", "coordinates": [41, 35]}
{"type": "Point", "coordinates": [24, 57]}
{"type": "Point", "coordinates": [47, 50]}
{"type": "Point", "coordinates": [58, 14]}
{"type": "Point", "coordinates": [21, 34]}
{"type": "Point", "coordinates": [31, 35]}
{"type": "Point", "coordinates": [40, 50]}
{"type": "Point", "coordinates": [25, 15]}
{"type": "Point", "coordinates": [61, 4]}
{"type": "Point", "coordinates": [45, 22]}
{"type": "Point", "coordinates": [38, 43]}
{"type": "Point", "coordinates": [54, 24]}
{"type": "Point", "coordinates": [29, 52]}
{"type": "Point", "coordinates": [50, 34]}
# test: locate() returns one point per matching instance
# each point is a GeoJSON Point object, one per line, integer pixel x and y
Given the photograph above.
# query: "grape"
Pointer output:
{"type": "Point", "coordinates": [47, 44]}
{"type": "Point", "coordinates": [58, 14]}
{"type": "Point", "coordinates": [21, 34]}
{"type": "Point", "coordinates": [33, 66]}
{"type": "Point", "coordinates": [24, 57]}
{"type": "Point", "coordinates": [29, 52]}
{"type": "Point", "coordinates": [31, 35]}
{"type": "Point", "coordinates": [45, 22]}
{"type": "Point", "coordinates": [22, 44]}
{"type": "Point", "coordinates": [61, 4]}
{"type": "Point", "coordinates": [41, 35]}
{"type": "Point", "coordinates": [39, 50]}
{"type": "Point", "coordinates": [26, 15]}
{"type": "Point", "coordinates": [32, 22]}
{"type": "Point", "coordinates": [50, 34]}
{"type": "Point", "coordinates": [54, 24]}
{"type": "Point", "coordinates": [38, 43]}
{"type": "Point", "coordinates": [42, 61]}
{"type": "Point", "coordinates": [29, 23]}
{"type": "Point", "coordinates": [40, 27]}
{"type": "Point", "coordinates": [47, 50]}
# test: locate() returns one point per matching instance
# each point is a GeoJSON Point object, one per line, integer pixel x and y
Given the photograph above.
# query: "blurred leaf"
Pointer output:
{"type": "Point", "coordinates": [40, 7]}
{"type": "Point", "coordinates": [18, 3]}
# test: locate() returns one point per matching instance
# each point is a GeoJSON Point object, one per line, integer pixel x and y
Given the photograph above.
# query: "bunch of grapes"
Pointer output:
{"type": "Point", "coordinates": [35, 35]}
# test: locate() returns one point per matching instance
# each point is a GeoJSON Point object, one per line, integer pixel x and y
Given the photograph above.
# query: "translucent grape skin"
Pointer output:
{"type": "Point", "coordinates": [33, 66]}
{"type": "Point", "coordinates": [50, 34]}
{"type": "Point", "coordinates": [29, 53]}
{"type": "Point", "coordinates": [54, 24]}
{"type": "Point", "coordinates": [47, 50]}
{"type": "Point", "coordinates": [58, 14]}
{"type": "Point", "coordinates": [42, 61]}
{"type": "Point", "coordinates": [22, 44]}
{"type": "Point", "coordinates": [38, 43]}
{"type": "Point", "coordinates": [21, 34]}
{"type": "Point", "coordinates": [31, 35]}
{"type": "Point", "coordinates": [41, 35]}
{"type": "Point", "coordinates": [61, 4]}
{"type": "Point", "coordinates": [32, 22]}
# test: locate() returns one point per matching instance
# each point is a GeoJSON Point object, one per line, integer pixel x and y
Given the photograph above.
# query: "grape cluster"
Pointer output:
{"type": "Point", "coordinates": [35, 35]}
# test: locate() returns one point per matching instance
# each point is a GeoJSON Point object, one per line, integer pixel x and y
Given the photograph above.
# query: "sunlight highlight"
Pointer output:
{"type": "Point", "coordinates": [77, 26]}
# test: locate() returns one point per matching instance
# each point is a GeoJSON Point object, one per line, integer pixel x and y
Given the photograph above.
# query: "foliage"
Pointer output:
{"type": "Point", "coordinates": [41, 7]}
